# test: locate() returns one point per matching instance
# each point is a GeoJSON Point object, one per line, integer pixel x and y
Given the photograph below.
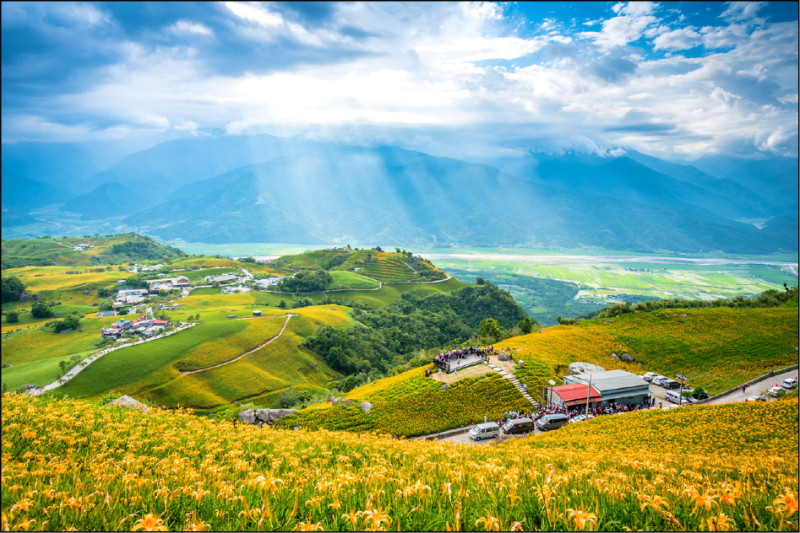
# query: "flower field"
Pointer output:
{"type": "Point", "coordinates": [413, 405]}
{"type": "Point", "coordinates": [67, 464]}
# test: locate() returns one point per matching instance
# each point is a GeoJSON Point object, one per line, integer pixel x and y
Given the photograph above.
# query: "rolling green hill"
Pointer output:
{"type": "Point", "coordinates": [387, 267]}
{"type": "Point", "coordinates": [112, 249]}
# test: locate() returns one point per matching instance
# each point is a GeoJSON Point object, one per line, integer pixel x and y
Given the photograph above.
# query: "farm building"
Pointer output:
{"type": "Point", "coordinates": [257, 313]}
{"type": "Point", "coordinates": [102, 314]}
{"type": "Point", "coordinates": [615, 386]}
{"type": "Point", "coordinates": [569, 396]}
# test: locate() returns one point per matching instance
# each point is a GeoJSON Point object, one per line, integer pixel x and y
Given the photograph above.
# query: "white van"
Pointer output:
{"type": "Point", "coordinates": [489, 430]}
{"type": "Point", "coordinates": [674, 396]}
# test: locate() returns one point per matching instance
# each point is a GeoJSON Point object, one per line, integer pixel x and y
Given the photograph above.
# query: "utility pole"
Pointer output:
{"type": "Point", "coordinates": [683, 382]}
{"type": "Point", "coordinates": [551, 382]}
{"type": "Point", "coordinates": [588, 394]}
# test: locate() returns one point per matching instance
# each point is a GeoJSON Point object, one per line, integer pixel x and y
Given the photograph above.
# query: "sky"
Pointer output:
{"type": "Point", "coordinates": [677, 80]}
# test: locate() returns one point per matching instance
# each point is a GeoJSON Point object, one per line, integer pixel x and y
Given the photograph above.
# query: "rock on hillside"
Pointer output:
{"type": "Point", "coordinates": [129, 403]}
{"type": "Point", "coordinates": [262, 416]}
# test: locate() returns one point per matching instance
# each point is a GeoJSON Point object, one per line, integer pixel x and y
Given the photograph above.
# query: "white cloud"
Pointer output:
{"type": "Point", "coordinates": [739, 11]}
{"type": "Point", "coordinates": [632, 22]}
{"type": "Point", "coordinates": [452, 67]}
{"type": "Point", "coordinates": [186, 26]}
{"type": "Point", "coordinates": [680, 39]}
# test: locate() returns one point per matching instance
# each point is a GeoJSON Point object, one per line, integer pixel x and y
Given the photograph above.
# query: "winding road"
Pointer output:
{"type": "Point", "coordinates": [288, 317]}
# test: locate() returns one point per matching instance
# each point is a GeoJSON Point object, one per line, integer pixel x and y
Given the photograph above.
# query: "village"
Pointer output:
{"type": "Point", "coordinates": [131, 300]}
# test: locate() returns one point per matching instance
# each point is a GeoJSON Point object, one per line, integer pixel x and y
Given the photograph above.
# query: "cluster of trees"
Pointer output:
{"type": "Point", "coordinates": [12, 289]}
{"type": "Point", "coordinates": [70, 322]}
{"type": "Point", "coordinates": [770, 298]}
{"type": "Point", "coordinates": [307, 281]}
{"type": "Point", "coordinates": [142, 249]}
{"type": "Point", "coordinates": [391, 336]}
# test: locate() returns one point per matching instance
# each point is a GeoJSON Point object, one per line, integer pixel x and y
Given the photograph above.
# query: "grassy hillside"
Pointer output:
{"type": "Point", "coordinates": [153, 370]}
{"type": "Point", "coordinates": [716, 348]}
{"type": "Point", "coordinates": [388, 267]}
{"type": "Point", "coordinates": [68, 464]}
{"type": "Point", "coordinates": [410, 404]}
{"type": "Point", "coordinates": [112, 249]}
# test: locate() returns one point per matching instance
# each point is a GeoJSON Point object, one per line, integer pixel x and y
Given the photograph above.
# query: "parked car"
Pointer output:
{"type": "Point", "coordinates": [579, 418]}
{"type": "Point", "coordinates": [702, 395]}
{"type": "Point", "coordinates": [675, 397]}
{"type": "Point", "coordinates": [648, 376]}
{"type": "Point", "coordinates": [774, 390]}
{"type": "Point", "coordinates": [553, 421]}
{"type": "Point", "coordinates": [489, 430]}
{"type": "Point", "coordinates": [670, 384]}
{"type": "Point", "coordinates": [518, 425]}
{"type": "Point", "coordinates": [790, 383]}
{"type": "Point", "coordinates": [755, 399]}
{"type": "Point", "coordinates": [658, 380]}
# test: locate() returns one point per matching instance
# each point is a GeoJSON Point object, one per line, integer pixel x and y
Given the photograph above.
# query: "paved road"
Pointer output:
{"type": "Point", "coordinates": [755, 389]}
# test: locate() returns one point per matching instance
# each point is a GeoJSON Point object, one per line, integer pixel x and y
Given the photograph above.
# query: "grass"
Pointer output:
{"type": "Point", "coordinates": [40, 372]}
{"type": "Point", "coordinates": [731, 467]}
{"type": "Point", "coordinates": [386, 295]}
{"type": "Point", "coordinates": [716, 348]}
{"type": "Point", "coordinates": [40, 343]}
{"type": "Point", "coordinates": [351, 280]}
{"type": "Point", "coordinates": [152, 370]}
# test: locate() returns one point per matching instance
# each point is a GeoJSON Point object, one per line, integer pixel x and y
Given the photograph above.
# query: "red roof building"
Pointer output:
{"type": "Point", "coordinates": [575, 395]}
{"type": "Point", "coordinates": [160, 322]}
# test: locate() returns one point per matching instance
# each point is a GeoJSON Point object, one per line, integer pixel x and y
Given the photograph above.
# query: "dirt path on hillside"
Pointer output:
{"type": "Point", "coordinates": [288, 317]}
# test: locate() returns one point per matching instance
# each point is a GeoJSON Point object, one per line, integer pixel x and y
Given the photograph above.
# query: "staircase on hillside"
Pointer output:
{"type": "Point", "coordinates": [514, 381]}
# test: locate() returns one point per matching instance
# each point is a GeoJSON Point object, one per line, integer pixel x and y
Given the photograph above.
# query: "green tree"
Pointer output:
{"type": "Point", "coordinates": [525, 325]}
{"type": "Point", "coordinates": [12, 289]}
{"type": "Point", "coordinates": [489, 329]}
{"type": "Point", "coordinates": [71, 322]}
{"type": "Point", "coordinates": [40, 309]}
{"type": "Point", "coordinates": [288, 398]}
{"type": "Point", "coordinates": [12, 317]}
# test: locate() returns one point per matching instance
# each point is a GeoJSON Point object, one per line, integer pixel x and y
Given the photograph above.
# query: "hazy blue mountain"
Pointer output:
{"type": "Point", "coordinates": [748, 203]}
{"type": "Point", "coordinates": [110, 200]}
{"type": "Point", "coordinates": [268, 189]}
{"type": "Point", "coordinates": [170, 165]}
{"type": "Point", "coordinates": [774, 178]}
{"type": "Point", "coordinates": [62, 165]}
{"type": "Point", "coordinates": [390, 195]}
{"type": "Point", "coordinates": [20, 194]}
{"type": "Point", "coordinates": [783, 228]}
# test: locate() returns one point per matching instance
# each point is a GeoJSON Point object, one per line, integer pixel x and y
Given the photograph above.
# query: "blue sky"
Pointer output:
{"type": "Point", "coordinates": [672, 79]}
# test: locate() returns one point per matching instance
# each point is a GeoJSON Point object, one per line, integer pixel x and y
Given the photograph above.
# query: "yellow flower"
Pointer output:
{"type": "Point", "coordinates": [150, 522]}
{"type": "Point", "coordinates": [490, 523]}
{"type": "Point", "coordinates": [704, 500]}
{"type": "Point", "coordinates": [352, 516]}
{"type": "Point", "coordinates": [722, 522]}
{"type": "Point", "coordinates": [786, 503]}
{"type": "Point", "coordinates": [581, 518]}
{"type": "Point", "coordinates": [308, 526]}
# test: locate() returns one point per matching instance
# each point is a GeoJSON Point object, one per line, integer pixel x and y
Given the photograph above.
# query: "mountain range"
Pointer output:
{"type": "Point", "coordinates": [269, 189]}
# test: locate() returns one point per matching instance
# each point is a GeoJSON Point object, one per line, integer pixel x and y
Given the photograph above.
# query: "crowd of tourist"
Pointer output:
{"type": "Point", "coordinates": [445, 359]}
{"type": "Point", "coordinates": [600, 409]}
